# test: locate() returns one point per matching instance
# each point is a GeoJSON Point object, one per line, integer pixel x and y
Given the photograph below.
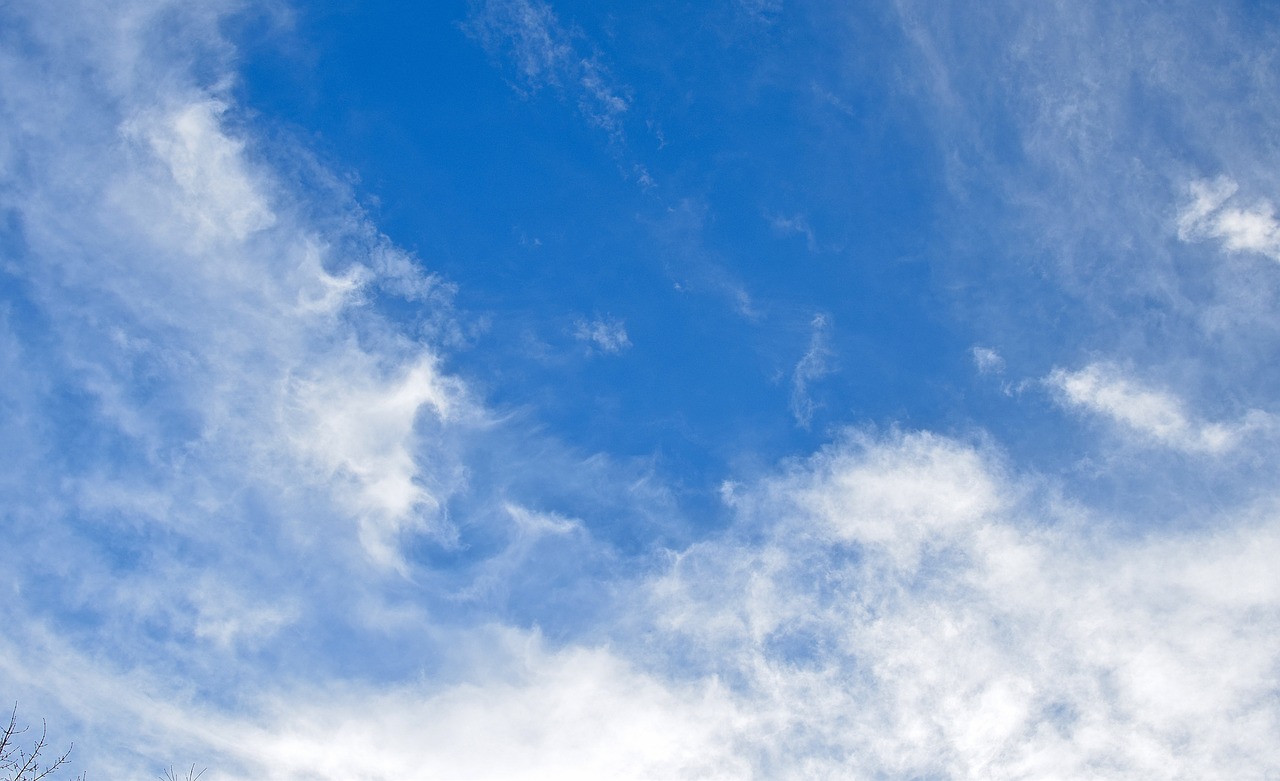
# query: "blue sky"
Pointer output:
{"type": "Point", "coordinates": [744, 389]}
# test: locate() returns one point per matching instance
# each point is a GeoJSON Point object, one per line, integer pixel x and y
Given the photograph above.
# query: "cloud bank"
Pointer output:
{"type": "Point", "coordinates": [901, 605]}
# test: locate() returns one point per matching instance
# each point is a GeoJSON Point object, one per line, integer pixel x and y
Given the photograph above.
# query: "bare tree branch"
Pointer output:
{"type": "Point", "coordinates": [192, 775]}
{"type": "Point", "coordinates": [18, 763]}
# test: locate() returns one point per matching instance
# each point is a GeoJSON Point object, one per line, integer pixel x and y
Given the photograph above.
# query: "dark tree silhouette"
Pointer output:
{"type": "Point", "coordinates": [24, 760]}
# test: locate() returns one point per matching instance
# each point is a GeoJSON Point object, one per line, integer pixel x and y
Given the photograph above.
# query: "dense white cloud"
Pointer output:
{"type": "Point", "coordinates": [1207, 215]}
{"type": "Point", "coordinates": [574, 714]}
{"type": "Point", "coordinates": [358, 429]}
{"type": "Point", "coordinates": [527, 711]}
{"type": "Point", "coordinates": [916, 611]}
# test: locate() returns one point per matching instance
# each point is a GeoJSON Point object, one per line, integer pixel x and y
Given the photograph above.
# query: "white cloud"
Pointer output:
{"type": "Point", "coordinates": [574, 714]}
{"type": "Point", "coordinates": [530, 33]}
{"type": "Point", "coordinates": [358, 429]}
{"type": "Point", "coordinates": [1154, 416]}
{"type": "Point", "coordinates": [1055, 108]}
{"type": "Point", "coordinates": [546, 54]}
{"type": "Point", "coordinates": [607, 335]}
{"type": "Point", "coordinates": [250, 432]}
{"type": "Point", "coordinates": [1207, 216]}
{"type": "Point", "coordinates": [220, 198]}
{"type": "Point", "coordinates": [347, 414]}
{"type": "Point", "coordinates": [900, 606]}
{"type": "Point", "coordinates": [795, 224]}
{"type": "Point", "coordinates": [578, 713]}
{"type": "Point", "coordinates": [892, 607]}
{"type": "Point", "coordinates": [914, 612]}
{"type": "Point", "coordinates": [230, 618]}
{"type": "Point", "coordinates": [987, 361]}
{"type": "Point", "coordinates": [813, 366]}
{"type": "Point", "coordinates": [897, 496]}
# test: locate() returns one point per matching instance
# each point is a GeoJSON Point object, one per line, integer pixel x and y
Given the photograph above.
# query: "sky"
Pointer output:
{"type": "Point", "coordinates": [745, 389]}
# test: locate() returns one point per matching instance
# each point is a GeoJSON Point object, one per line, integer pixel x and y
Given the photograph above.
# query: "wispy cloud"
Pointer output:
{"type": "Point", "coordinates": [529, 33]}
{"type": "Point", "coordinates": [694, 266]}
{"type": "Point", "coordinates": [1041, 109]}
{"type": "Point", "coordinates": [987, 360]}
{"type": "Point", "coordinates": [1152, 416]}
{"type": "Point", "coordinates": [345, 413]}
{"type": "Point", "coordinates": [795, 224]}
{"type": "Point", "coordinates": [607, 335]}
{"type": "Point", "coordinates": [546, 54]}
{"type": "Point", "coordinates": [813, 366]}
{"type": "Point", "coordinates": [221, 342]}
{"type": "Point", "coordinates": [231, 618]}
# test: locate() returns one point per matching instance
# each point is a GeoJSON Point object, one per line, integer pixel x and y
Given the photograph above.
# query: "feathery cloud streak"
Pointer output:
{"type": "Point", "coordinates": [546, 54]}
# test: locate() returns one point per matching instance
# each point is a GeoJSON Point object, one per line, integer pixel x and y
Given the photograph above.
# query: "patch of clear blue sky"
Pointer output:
{"type": "Point", "coordinates": [791, 163]}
